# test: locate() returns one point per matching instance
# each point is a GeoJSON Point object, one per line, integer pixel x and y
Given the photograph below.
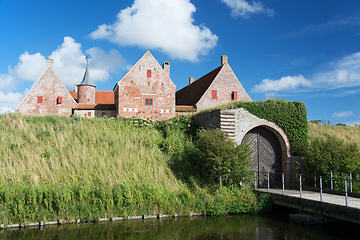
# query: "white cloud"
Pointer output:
{"type": "Point", "coordinates": [69, 62]}
{"type": "Point", "coordinates": [344, 114]}
{"type": "Point", "coordinates": [243, 9]}
{"type": "Point", "coordinates": [29, 67]}
{"type": "Point", "coordinates": [103, 63]}
{"type": "Point", "coordinates": [160, 24]}
{"type": "Point", "coordinates": [353, 123]}
{"type": "Point", "coordinates": [342, 73]}
{"type": "Point", "coordinates": [282, 84]}
{"type": "Point", "coordinates": [8, 101]}
{"type": "Point", "coordinates": [7, 81]}
{"type": "Point", "coordinates": [69, 65]}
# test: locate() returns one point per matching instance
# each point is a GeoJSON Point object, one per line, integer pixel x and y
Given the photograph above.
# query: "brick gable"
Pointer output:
{"type": "Point", "coordinates": [146, 91]}
{"type": "Point", "coordinates": [217, 87]}
{"type": "Point", "coordinates": [50, 90]}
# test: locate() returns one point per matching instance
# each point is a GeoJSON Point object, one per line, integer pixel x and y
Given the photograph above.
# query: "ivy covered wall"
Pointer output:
{"type": "Point", "coordinates": [290, 116]}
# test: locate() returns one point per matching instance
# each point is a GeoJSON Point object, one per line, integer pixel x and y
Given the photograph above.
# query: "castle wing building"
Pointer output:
{"type": "Point", "coordinates": [217, 87]}
{"type": "Point", "coordinates": [48, 96]}
{"type": "Point", "coordinates": [146, 91]}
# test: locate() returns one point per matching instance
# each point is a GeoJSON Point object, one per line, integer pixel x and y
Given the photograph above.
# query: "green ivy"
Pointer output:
{"type": "Point", "coordinates": [290, 116]}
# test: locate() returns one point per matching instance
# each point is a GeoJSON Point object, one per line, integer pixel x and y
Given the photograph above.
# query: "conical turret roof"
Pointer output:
{"type": "Point", "coordinates": [86, 79]}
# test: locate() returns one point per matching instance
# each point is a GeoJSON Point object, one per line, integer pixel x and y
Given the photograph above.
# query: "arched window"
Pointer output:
{"type": "Point", "coordinates": [148, 73]}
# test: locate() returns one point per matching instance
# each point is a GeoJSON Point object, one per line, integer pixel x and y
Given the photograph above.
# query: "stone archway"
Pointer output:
{"type": "Point", "coordinates": [238, 123]}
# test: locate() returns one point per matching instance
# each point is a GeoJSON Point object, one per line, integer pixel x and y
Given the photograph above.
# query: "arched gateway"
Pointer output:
{"type": "Point", "coordinates": [270, 144]}
{"type": "Point", "coordinates": [266, 153]}
{"type": "Point", "coordinates": [266, 150]}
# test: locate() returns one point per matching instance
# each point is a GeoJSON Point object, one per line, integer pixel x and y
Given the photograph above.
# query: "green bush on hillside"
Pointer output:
{"type": "Point", "coordinates": [331, 154]}
{"type": "Point", "coordinates": [218, 160]}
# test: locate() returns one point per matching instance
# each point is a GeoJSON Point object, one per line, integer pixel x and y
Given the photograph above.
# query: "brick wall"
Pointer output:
{"type": "Point", "coordinates": [146, 91]}
{"type": "Point", "coordinates": [224, 84]}
{"type": "Point", "coordinates": [86, 94]}
{"type": "Point", "coordinates": [48, 96]}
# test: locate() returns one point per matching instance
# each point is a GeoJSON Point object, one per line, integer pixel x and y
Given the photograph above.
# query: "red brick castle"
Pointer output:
{"type": "Point", "coordinates": [146, 91]}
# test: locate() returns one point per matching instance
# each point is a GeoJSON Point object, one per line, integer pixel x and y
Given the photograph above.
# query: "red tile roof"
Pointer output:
{"type": "Point", "coordinates": [73, 94]}
{"type": "Point", "coordinates": [101, 97]}
{"type": "Point", "coordinates": [104, 97]}
{"type": "Point", "coordinates": [192, 93]}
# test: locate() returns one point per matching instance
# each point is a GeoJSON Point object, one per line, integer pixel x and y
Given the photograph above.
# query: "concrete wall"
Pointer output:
{"type": "Point", "coordinates": [208, 119]}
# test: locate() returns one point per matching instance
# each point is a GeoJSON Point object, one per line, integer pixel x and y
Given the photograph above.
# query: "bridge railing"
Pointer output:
{"type": "Point", "coordinates": [307, 182]}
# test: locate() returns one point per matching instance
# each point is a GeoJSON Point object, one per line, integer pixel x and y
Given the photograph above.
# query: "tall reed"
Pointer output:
{"type": "Point", "coordinates": [66, 168]}
{"type": "Point", "coordinates": [350, 134]}
{"type": "Point", "coordinates": [50, 150]}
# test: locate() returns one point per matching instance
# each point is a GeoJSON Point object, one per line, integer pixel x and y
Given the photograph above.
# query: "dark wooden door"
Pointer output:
{"type": "Point", "coordinates": [266, 153]}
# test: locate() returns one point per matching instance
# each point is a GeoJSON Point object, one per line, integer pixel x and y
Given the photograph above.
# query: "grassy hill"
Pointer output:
{"type": "Point", "coordinates": [336, 149]}
{"type": "Point", "coordinates": [346, 133]}
{"type": "Point", "coordinates": [67, 168]}
{"type": "Point", "coordinates": [50, 150]}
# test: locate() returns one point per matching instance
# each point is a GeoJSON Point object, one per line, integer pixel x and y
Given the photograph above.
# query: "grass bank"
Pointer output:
{"type": "Point", "coordinates": [67, 168]}
{"type": "Point", "coordinates": [350, 134]}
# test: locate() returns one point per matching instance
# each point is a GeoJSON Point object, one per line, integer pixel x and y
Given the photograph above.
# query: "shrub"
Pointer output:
{"type": "Point", "coordinates": [331, 154]}
{"type": "Point", "coordinates": [219, 160]}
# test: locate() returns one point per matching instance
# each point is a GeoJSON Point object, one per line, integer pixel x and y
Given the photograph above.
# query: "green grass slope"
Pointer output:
{"type": "Point", "coordinates": [67, 168]}
{"type": "Point", "coordinates": [350, 134]}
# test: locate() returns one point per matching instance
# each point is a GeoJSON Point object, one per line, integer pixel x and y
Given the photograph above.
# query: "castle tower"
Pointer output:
{"type": "Point", "coordinates": [86, 89]}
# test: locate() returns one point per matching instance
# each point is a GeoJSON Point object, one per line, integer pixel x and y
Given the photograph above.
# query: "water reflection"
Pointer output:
{"type": "Point", "coordinates": [259, 227]}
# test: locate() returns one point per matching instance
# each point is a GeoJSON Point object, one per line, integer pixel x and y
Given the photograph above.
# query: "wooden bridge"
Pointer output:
{"type": "Point", "coordinates": [320, 201]}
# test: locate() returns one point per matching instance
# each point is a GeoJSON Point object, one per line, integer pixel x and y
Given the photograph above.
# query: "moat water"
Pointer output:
{"type": "Point", "coordinates": [273, 225]}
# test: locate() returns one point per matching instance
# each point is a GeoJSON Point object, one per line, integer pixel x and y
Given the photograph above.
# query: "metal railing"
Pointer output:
{"type": "Point", "coordinates": [307, 182]}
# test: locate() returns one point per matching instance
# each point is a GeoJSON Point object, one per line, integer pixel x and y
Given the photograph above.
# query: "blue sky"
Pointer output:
{"type": "Point", "coordinates": [306, 50]}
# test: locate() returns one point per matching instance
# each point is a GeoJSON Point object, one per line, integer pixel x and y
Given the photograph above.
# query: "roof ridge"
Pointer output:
{"type": "Point", "coordinates": [191, 94]}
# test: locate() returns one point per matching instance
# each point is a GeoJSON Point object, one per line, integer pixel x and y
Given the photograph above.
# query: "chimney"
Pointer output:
{"type": "Point", "coordinates": [224, 59]}
{"type": "Point", "coordinates": [166, 67]}
{"type": "Point", "coordinates": [76, 88]}
{"type": "Point", "coordinates": [49, 62]}
{"type": "Point", "coordinates": [191, 80]}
